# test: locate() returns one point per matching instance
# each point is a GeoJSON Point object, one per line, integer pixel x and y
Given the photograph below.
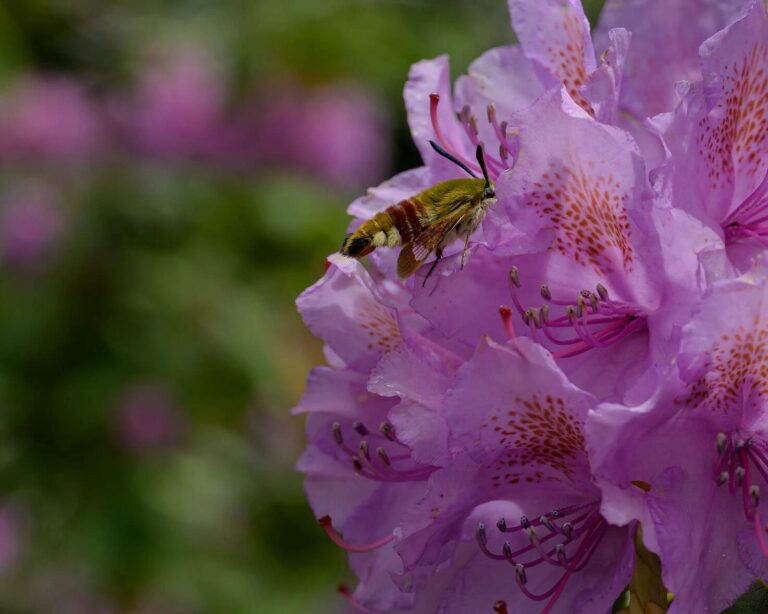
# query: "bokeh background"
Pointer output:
{"type": "Point", "coordinates": [172, 174]}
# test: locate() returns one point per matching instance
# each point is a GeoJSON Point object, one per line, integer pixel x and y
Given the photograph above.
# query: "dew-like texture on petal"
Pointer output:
{"type": "Point", "coordinates": [724, 356]}
{"type": "Point", "coordinates": [555, 37]}
{"type": "Point", "coordinates": [733, 139]}
{"type": "Point", "coordinates": [717, 139]}
{"type": "Point", "coordinates": [666, 35]}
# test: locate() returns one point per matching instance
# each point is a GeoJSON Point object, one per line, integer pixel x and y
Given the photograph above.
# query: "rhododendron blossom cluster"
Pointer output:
{"type": "Point", "coordinates": [504, 436]}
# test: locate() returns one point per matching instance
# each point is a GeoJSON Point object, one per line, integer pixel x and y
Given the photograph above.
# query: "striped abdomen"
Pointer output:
{"type": "Point", "coordinates": [396, 225]}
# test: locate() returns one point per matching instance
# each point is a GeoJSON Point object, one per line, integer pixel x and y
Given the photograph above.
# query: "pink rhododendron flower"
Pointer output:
{"type": "Point", "coordinates": [337, 133]}
{"type": "Point", "coordinates": [491, 437]}
{"type": "Point", "coordinates": [48, 117]}
{"type": "Point", "coordinates": [177, 110]}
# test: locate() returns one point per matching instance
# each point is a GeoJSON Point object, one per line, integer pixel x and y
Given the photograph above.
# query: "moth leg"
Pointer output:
{"type": "Point", "coordinates": [466, 247]}
{"type": "Point", "coordinates": [438, 255]}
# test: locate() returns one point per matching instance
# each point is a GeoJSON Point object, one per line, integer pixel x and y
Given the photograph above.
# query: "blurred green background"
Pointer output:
{"type": "Point", "coordinates": [172, 175]}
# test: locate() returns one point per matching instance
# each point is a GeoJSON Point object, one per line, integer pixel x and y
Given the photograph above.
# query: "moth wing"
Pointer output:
{"type": "Point", "coordinates": [407, 262]}
{"type": "Point", "coordinates": [414, 254]}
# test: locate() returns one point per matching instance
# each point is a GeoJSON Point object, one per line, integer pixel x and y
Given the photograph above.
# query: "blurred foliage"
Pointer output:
{"type": "Point", "coordinates": [182, 273]}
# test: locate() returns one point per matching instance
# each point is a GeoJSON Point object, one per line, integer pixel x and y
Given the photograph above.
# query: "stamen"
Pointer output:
{"type": "Point", "coordinates": [360, 428]}
{"type": "Point", "coordinates": [387, 430]}
{"type": "Point", "coordinates": [720, 442]}
{"type": "Point", "coordinates": [381, 453]}
{"type": "Point", "coordinates": [434, 101]}
{"type": "Point", "coordinates": [326, 523]}
{"type": "Point", "coordinates": [506, 317]}
{"type": "Point", "coordinates": [500, 607]}
{"type": "Point", "coordinates": [597, 321]}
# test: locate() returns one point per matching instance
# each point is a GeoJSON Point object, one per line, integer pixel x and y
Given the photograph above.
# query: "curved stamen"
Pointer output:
{"type": "Point", "coordinates": [597, 320]}
{"type": "Point", "coordinates": [434, 101]}
{"type": "Point", "coordinates": [327, 525]}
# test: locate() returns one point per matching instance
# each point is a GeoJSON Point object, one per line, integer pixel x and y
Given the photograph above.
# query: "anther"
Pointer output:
{"type": "Point", "coordinates": [491, 113]}
{"type": "Point", "coordinates": [722, 478]}
{"type": "Point", "coordinates": [547, 523]}
{"type": "Point", "coordinates": [739, 475]}
{"type": "Point", "coordinates": [364, 450]}
{"type": "Point", "coordinates": [544, 313]}
{"type": "Point", "coordinates": [740, 445]}
{"type": "Point", "coordinates": [570, 312]}
{"type": "Point", "coordinates": [503, 153]}
{"type": "Point", "coordinates": [546, 294]}
{"type": "Point", "coordinates": [357, 464]}
{"type": "Point", "coordinates": [360, 428]}
{"type": "Point", "coordinates": [568, 529]}
{"type": "Point", "coordinates": [533, 316]}
{"type": "Point", "coordinates": [501, 525]}
{"type": "Point", "coordinates": [500, 607]}
{"type": "Point", "coordinates": [580, 305]}
{"type": "Point", "coordinates": [387, 430]}
{"type": "Point", "coordinates": [482, 538]}
{"type": "Point", "coordinates": [336, 431]}
{"type": "Point", "coordinates": [465, 114]}
{"type": "Point", "coordinates": [593, 302]}
{"type": "Point", "coordinates": [473, 125]}
{"type": "Point", "coordinates": [602, 292]}
{"type": "Point", "coordinates": [524, 522]}
{"type": "Point", "coordinates": [520, 571]}
{"type": "Point", "coordinates": [514, 276]}
{"type": "Point", "coordinates": [503, 127]}
{"type": "Point", "coordinates": [754, 495]}
{"type": "Point", "coordinates": [383, 456]}
{"type": "Point", "coordinates": [720, 441]}
{"type": "Point", "coordinates": [560, 553]}
{"type": "Point", "coordinates": [506, 550]}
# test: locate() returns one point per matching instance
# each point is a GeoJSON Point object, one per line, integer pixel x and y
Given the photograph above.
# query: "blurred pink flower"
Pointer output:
{"type": "Point", "coordinates": [337, 133]}
{"type": "Point", "coordinates": [49, 117]}
{"type": "Point", "coordinates": [148, 418]}
{"type": "Point", "coordinates": [177, 109]}
{"type": "Point", "coordinates": [31, 226]}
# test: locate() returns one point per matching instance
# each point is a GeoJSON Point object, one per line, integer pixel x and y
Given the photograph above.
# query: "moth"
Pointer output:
{"type": "Point", "coordinates": [428, 221]}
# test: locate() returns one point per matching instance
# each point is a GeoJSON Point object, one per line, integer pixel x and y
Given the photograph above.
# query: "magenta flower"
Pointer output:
{"type": "Point", "coordinates": [514, 520]}
{"type": "Point", "coordinates": [370, 455]}
{"type": "Point", "coordinates": [490, 437]}
{"type": "Point", "coordinates": [718, 163]}
{"type": "Point", "coordinates": [177, 110]}
{"type": "Point", "coordinates": [49, 117]}
{"type": "Point", "coordinates": [337, 133]}
{"type": "Point", "coordinates": [699, 451]}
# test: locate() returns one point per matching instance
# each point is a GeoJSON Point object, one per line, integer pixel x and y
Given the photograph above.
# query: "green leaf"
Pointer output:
{"type": "Point", "coordinates": [754, 600]}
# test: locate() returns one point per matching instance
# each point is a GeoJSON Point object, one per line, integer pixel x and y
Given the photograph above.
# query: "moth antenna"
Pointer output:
{"type": "Point", "coordinates": [481, 161]}
{"type": "Point", "coordinates": [453, 159]}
